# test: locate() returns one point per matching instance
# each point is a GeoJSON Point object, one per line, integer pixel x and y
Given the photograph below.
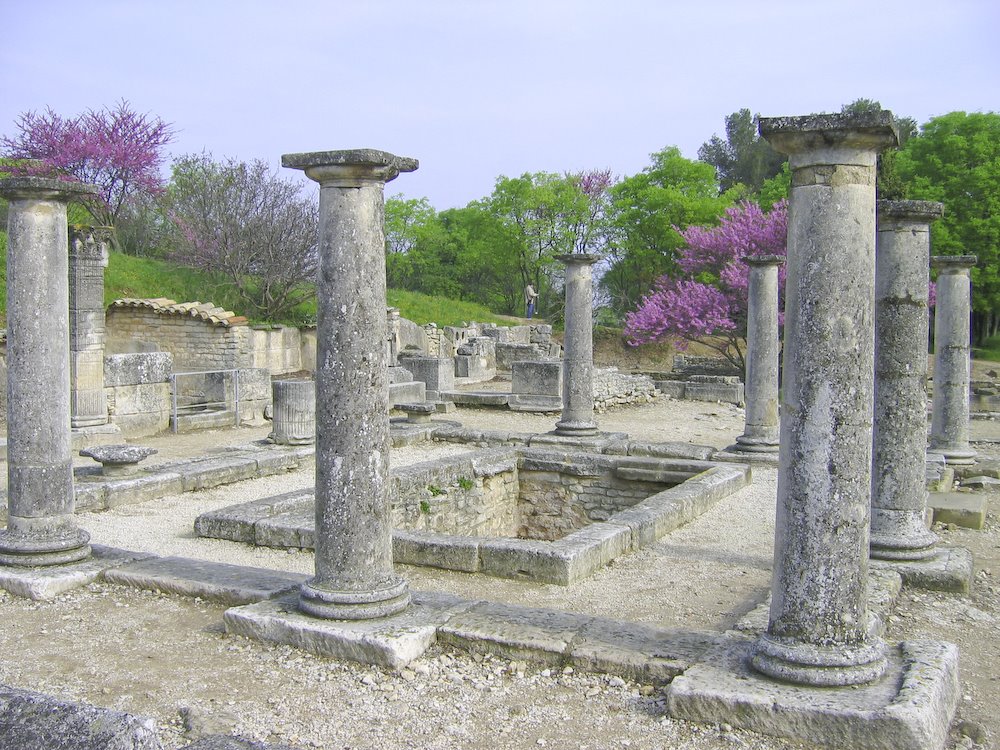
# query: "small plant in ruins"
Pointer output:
{"type": "Point", "coordinates": [425, 507]}
{"type": "Point", "coordinates": [435, 490]}
{"type": "Point", "coordinates": [465, 483]}
{"type": "Point", "coordinates": [709, 302]}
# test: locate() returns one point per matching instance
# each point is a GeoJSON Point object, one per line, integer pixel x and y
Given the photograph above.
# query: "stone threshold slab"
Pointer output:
{"type": "Point", "coordinates": [227, 584]}
{"type": "Point", "coordinates": [911, 706]}
{"type": "Point", "coordinates": [46, 583]}
{"type": "Point", "coordinates": [733, 455]}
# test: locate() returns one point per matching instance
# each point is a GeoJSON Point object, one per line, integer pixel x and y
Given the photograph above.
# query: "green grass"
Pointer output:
{"type": "Point", "coordinates": [129, 276]}
{"type": "Point", "coordinates": [989, 351]}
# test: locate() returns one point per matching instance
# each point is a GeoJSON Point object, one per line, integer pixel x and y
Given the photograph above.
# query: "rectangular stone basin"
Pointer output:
{"type": "Point", "coordinates": [546, 515]}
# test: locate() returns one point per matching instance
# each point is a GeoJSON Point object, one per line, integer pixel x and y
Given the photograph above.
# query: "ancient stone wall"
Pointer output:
{"type": "Point", "coordinates": [469, 496]}
{"type": "Point", "coordinates": [137, 387]}
{"type": "Point", "coordinates": [199, 337]}
{"type": "Point", "coordinates": [614, 388]}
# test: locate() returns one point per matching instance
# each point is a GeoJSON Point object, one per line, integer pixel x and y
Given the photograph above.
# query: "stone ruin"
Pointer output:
{"type": "Point", "coordinates": [821, 631]}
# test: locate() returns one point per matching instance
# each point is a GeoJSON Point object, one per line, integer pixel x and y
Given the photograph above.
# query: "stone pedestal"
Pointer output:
{"type": "Point", "coordinates": [88, 257]}
{"type": "Point", "coordinates": [41, 528]}
{"type": "Point", "coordinates": [578, 360]}
{"type": "Point", "coordinates": [354, 575]}
{"type": "Point", "coordinates": [950, 410]}
{"type": "Point", "coordinates": [820, 632]}
{"type": "Point", "coordinates": [899, 488]}
{"type": "Point", "coordinates": [293, 412]}
{"type": "Point", "coordinates": [760, 433]}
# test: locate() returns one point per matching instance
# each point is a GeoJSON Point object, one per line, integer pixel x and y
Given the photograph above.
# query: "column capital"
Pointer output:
{"type": "Point", "coordinates": [580, 259]}
{"type": "Point", "coordinates": [953, 263]}
{"type": "Point", "coordinates": [351, 167]}
{"type": "Point", "coordinates": [763, 260]}
{"type": "Point", "coordinates": [850, 139]}
{"type": "Point", "coordinates": [922, 211]}
{"type": "Point", "coordinates": [44, 188]}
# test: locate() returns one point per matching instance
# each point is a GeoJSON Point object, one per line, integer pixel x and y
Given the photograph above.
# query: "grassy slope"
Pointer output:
{"type": "Point", "coordinates": [127, 276]}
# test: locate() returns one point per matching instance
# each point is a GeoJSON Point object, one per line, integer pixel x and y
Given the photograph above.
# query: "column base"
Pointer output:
{"type": "Point", "coordinates": [318, 601]}
{"type": "Point", "coordinates": [38, 551]}
{"type": "Point", "coordinates": [748, 444]}
{"type": "Point", "coordinates": [956, 456]}
{"type": "Point", "coordinates": [819, 665]}
{"type": "Point", "coordinates": [575, 428]}
{"type": "Point", "coordinates": [903, 547]}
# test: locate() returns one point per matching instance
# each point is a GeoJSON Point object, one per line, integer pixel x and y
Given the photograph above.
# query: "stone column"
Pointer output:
{"type": "Point", "coordinates": [760, 433]}
{"type": "Point", "coordinates": [293, 412]}
{"type": "Point", "coordinates": [578, 359]}
{"type": "Point", "coordinates": [899, 486]}
{"type": "Point", "coordinates": [950, 409]}
{"type": "Point", "coordinates": [88, 257]}
{"type": "Point", "coordinates": [820, 631]}
{"type": "Point", "coordinates": [41, 527]}
{"type": "Point", "coordinates": [354, 574]}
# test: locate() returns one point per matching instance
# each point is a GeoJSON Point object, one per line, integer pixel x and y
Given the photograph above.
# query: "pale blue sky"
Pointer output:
{"type": "Point", "coordinates": [477, 88]}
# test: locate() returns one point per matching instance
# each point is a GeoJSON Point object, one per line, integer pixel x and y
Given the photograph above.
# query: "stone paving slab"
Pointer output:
{"type": "Point", "coordinates": [35, 721]}
{"type": "Point", "coordinates": [46, 583]}
{"type": "Point", "coordinates": [910, 706]}
{"type": "Point", "coordinates": [966, 509]}
{"type": "Point", "coordinates": [950, 569]}
{"type": "Point", "coordinates": [227, 584]}
{"type": "Point", "coordinates": [391, 642]}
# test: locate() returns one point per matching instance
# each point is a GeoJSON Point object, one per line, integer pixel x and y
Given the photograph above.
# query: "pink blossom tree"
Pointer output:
{"type": "Point", "coordinates": [710, 304]}
{"type": "Point", "coordinates": [119, 150]}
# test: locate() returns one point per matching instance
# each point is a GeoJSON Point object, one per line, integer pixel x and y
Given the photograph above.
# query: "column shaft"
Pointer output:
{"type": "Point", "coordinates": [578, 359]}
{"type": "Point", "coordinates": [899, 486]}
{"type": "Point", "coordinates": [761, 429]}
{"type": "Point", "coordinates": [820, 631]}
{"type": "Point", "coordinates": [950, 409]}
{"type": "Point", "coordinates": [41, 527]}
{"type": "Point", "coordinates": [354, 574]}
{"type": "Point", "coordinates": [87, 260]}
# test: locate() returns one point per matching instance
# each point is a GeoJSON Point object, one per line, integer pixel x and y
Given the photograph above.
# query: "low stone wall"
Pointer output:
{"type": "Point", "coordinates": [614, 388]}
{"type": "Point", "coordinates": [137, 387]}
{"type": "Point", "coordinates": [560, 493]}
{"type": "Point", "coordinates": [282, 349]}
{"type": "Point", "coordinates": [469, 496]}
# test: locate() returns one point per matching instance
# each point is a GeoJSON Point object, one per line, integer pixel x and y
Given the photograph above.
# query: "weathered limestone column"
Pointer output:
{"type": "Point", "coordinates": [41, 527]}
{"type": "Point", "coordinates": [293, 412]}
{"type": "Point", "coordinates": [899, 486]}
{"type": "Point", "coordinates": [820, 631]}
{"type": "Point", "coordinates": [950, 408]}
{"type": "Point", "coordinates": [760, 433]}
{"type": "Point", "coordinates": [88, 257]}
{"type": "Point", "coordinates": [578, 363]}
{"type": "Point", "coordinates": [354, 576]}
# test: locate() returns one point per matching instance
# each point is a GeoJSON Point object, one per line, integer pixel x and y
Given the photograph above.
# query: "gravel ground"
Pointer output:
{"type": "Point", "coordinates": [167, 657]}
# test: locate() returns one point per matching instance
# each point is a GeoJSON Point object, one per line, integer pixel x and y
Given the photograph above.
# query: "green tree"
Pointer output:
{"type": "Point", "coordinates": [888, 183]}
{"type": "Point", "coordinates": [646, 211]}
{"type": "Point", "coordinates": [743, 158]}
{"type": "Point", "coordinates": [956, 160]}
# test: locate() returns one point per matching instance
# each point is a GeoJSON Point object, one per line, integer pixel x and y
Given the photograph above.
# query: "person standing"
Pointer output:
{"type": "Point", "coordinates": [530, 295]}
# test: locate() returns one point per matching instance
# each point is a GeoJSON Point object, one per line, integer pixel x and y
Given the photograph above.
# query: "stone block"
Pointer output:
{"type": "Point", "coordinates": [236, 522]}
{"type": "Point", "coordinates": [509, 353]}
{"type": "Point", "coordinates": [34, 721]}
{"type": "Point", "coordinates": [227, 584]}
{"type": "Point", "coordinates": [671, 450]}
{"type": "Point", "coordinates": [436, 374]}
{"type": "Point", "coordinates": [591, 548]}
{"type": "Point", "coordinates": [537, 378]}
{"type": "Point", "coordinates": [731, 393]}
{"type": "Point", "coordinates": [212, 472]}
{"type": "Point", "coordinates": [143, 398]}
{"type": "Point", "coordinates": [967, 509]}
{"type": "Point", "coordinates": [447, 551]}
{"type": "Point", "coordinates": [472, 398]}
{"type": "Point", "coordinates": [950, 569]}
{"type": "Point", "coordinates": [142, 488]}
{"type": "Point", "coordinates": [45, 584]}
{"type": "Point", "coordinates": [524, 559]}
{"type": "Point", "coordinates": [671, 388]}
{"type": "Point", "coordinates": [293, 528]}
{"type": "Point", "coordinates": [530, 403]}
{"type": "Point", "coordinates": [138, 369]}
{"type": "Point", "coordinates": [911, 706]}
{"type": "Point", "coordinates": [391, 642]}
{"type": "Point", "coordinates": [401, 393]}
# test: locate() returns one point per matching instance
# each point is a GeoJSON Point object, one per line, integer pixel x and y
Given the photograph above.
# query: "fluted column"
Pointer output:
{"type": "Point", "coordinates": [88, 257]}
{"type": "Point", "coordinates": [820, 631]}
{"type": "Point", "coordinates": [761, 428]}
{"type": "Point", "coordinates": [950, 409]}
{"type": "Point", "coordinates": [578, 359]}
{"type": "Point", "coordinates": [354, 574]}
{"type": "Point", "coordinates": [41, 528]}
{"type": "Point", "coordinates": [899, 486]}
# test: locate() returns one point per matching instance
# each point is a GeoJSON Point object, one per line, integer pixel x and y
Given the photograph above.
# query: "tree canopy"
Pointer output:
{"type": "Point", "coordinates": [743, 158]}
